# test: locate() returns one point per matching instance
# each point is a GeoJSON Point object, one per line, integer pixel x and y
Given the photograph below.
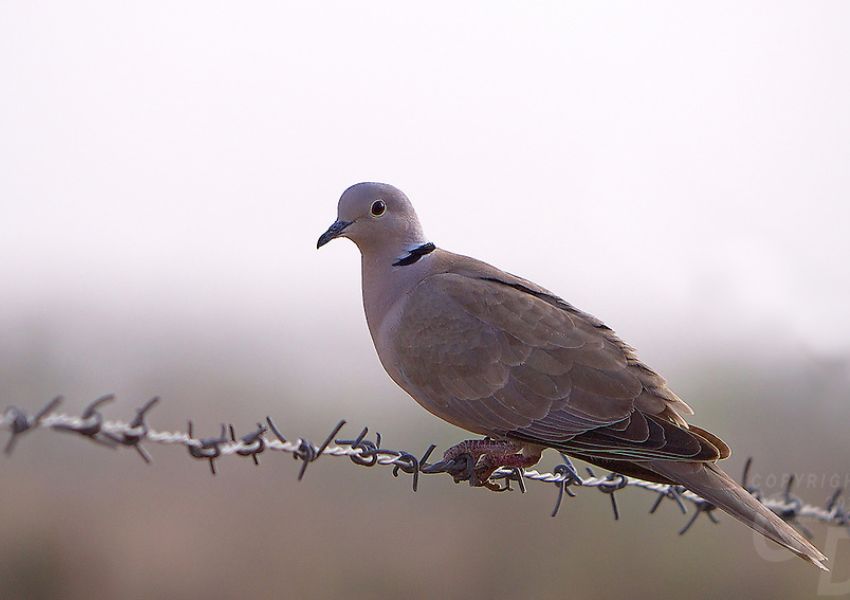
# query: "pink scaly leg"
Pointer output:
{"type": "Point", "coordinates": [489, 455]}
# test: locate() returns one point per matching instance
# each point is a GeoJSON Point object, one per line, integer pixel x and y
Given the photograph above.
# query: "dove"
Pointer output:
{"type": "Point", "coordinates": [504, 358]}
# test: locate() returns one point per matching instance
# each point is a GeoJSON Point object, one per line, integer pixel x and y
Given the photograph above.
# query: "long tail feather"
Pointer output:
{"type": "Point", "coordinates": [707, 480]}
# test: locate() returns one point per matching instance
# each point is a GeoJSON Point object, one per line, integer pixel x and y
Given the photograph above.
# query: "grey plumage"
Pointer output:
{"type": "Point", "coordinates": [502, 357]}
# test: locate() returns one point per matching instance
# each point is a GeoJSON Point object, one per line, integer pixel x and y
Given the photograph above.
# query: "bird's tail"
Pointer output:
{"type": "Point", "coordinates": [708, 481]}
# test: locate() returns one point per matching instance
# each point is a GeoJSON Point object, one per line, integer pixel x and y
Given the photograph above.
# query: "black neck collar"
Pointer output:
{"type": "Point", "coordinates": [415, 254]}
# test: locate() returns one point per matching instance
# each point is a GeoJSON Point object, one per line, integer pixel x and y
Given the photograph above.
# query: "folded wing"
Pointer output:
{"type": "Point", "coordinates": [500, 356]}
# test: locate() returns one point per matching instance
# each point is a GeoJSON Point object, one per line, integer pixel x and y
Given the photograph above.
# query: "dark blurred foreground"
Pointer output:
{"type": "Point", "coordinates": [79, 521]}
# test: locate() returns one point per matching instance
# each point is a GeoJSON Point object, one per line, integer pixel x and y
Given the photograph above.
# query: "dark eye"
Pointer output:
{"type": "Point", "coordinates": [379, 207]}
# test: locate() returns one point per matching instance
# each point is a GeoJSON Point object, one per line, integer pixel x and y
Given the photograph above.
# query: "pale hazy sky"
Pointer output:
{"type": "Point", "coordinates": [675, 168]}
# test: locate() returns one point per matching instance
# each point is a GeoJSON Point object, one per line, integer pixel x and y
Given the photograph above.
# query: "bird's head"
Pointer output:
{"type": "Point", "coordinates": [375, 216]}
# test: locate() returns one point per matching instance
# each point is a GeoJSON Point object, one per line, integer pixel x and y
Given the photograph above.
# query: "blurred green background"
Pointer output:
{"type": "Point", "coordinates": [678, 170]}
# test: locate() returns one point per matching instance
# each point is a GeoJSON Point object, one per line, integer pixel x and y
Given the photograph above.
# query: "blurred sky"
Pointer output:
{"type": "Point", "coordinates": [658, 164]}
{"type": "Point", "coordinates": [678, 169]}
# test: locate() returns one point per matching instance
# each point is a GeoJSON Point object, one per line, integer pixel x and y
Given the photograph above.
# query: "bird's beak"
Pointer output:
{"type": "Point", "coordinates": [334, 231]}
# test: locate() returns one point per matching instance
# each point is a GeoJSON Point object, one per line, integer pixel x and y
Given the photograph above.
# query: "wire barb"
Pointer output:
{"type": "Point", "coordinates": [367, 452]}
{"type": "Point", "coordinates": [18, 422]}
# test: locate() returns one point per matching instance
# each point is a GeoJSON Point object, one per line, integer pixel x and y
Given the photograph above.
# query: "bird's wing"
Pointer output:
{"type": "Point", "coordinates": [499, 356]}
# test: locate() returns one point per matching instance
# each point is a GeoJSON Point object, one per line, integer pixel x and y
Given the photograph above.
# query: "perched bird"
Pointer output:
{"type": "Point", "coordinates": [504, 358]}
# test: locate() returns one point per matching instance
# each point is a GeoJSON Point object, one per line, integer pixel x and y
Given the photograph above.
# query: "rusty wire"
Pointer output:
{"type": "Point", "coordinates": [363, 451]}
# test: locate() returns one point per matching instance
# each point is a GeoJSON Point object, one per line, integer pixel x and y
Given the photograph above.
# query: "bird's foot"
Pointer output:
{"type": "Point", "coordinates": [484, 457]}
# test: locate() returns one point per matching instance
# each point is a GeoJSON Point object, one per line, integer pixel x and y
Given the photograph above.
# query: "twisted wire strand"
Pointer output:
{"type": "Point", "coordinates": [367, 452]}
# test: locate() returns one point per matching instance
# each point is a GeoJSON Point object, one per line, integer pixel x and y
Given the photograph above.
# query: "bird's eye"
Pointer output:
{"type": "Point", "coordinates": [379, 207]}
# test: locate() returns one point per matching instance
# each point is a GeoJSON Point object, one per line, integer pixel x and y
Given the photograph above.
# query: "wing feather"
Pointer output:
{"type": "Point", "coordinates": [500, 357]}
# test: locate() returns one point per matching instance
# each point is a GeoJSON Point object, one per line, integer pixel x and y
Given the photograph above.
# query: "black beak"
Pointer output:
{"type": "Point", "coordinates": [334, 231]}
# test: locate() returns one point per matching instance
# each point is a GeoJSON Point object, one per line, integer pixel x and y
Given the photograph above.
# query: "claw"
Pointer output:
{"type": "Point", "coordinates": [482, 458]}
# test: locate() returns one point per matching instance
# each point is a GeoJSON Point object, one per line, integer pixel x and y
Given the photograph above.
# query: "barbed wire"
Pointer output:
{"type": "Point", "coordinates": [367, 452]}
